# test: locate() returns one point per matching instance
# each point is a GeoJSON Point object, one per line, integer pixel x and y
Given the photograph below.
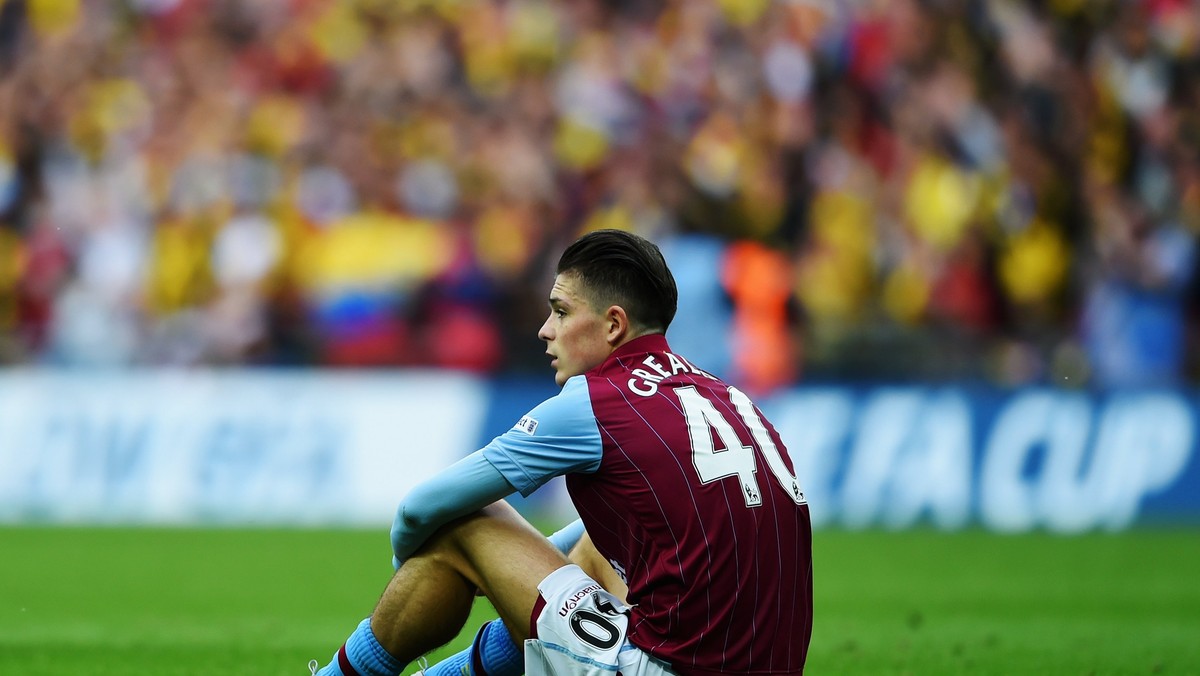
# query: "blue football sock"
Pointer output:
{"type": "Point", "coordinates": [492, 653]}
{"type": "Point", "coordinates": [493, 650]}
{"type": "Point", "coordinates": [498, 654]}
{"type": "Point", "coordinates": [362, 655]}
{"type": "Point", "coordinates": [458, 664]}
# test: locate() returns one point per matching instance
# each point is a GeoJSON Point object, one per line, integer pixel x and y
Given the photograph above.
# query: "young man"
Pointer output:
{"type": "Point", "coordinates": [685, 490]}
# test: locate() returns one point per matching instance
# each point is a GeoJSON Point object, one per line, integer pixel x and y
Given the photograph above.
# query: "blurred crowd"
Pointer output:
{"type": "Point", "coordinates": [993, 190]}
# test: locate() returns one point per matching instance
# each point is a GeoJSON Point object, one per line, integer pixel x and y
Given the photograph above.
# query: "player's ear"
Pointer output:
{"type": "Point", "coordinates": [616, 323]}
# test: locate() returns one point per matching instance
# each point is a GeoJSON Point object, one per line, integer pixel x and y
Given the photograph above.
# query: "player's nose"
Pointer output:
{"type": "Point", "coordinates": [544, 333]}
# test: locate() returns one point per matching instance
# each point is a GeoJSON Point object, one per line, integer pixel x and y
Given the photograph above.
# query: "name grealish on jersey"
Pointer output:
{"type": "Point", "coordinates": [645, 384]}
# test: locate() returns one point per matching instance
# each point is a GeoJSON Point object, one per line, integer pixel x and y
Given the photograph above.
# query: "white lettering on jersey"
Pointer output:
{"type": "Point", "coordinates": [697, 371]}
{"type": "Point", "coordinates": [646, 389]}
{"type": "Point", "coordinates": [620, 570]}
{"type": "Point", "coordinates": [648, 383]}
{"type": "Point", "coordinates": [653, 363]}
{"type": "Point", "coordinates": [645, 384]}
{"type": "Point", "coordinates": [677, 365]}
{"type": "Point", "coordinates": [575, 598]}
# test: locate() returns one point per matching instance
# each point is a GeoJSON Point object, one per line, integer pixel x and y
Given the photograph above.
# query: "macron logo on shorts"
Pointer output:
{"type": "Point", "coordinates": [527, 425]}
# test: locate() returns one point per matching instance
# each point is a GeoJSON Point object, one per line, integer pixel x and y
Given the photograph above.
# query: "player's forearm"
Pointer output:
{"type": "Point", "coordinates": [467, 486]}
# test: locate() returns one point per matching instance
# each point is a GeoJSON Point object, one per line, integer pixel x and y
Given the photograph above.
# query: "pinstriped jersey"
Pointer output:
{"type": "Point", "coordinates": [689, 492]}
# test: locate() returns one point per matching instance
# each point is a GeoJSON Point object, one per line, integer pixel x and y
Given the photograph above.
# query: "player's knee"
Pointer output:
{"type": "Point", "coordinates": [502, 511]}
{"type": "Point", "coordinates": [463, 533]}
{"type": "Point", "coordinates": [442, 547]}
{"type": "Point", "coordinates": [450, 543]}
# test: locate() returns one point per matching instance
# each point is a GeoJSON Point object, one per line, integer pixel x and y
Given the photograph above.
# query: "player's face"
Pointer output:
{"type": "Point", "coordinates": [575, 332]}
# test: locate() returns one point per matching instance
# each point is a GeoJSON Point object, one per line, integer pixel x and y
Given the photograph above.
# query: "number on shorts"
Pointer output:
{"type": "Point", "coordinates": [703, 419]}
{"type": "Point", "coordinates": [585, 624]}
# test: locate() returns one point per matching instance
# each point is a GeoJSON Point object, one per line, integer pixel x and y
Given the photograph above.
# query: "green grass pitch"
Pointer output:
{"type": "Point", "coordinates": [165, 602]}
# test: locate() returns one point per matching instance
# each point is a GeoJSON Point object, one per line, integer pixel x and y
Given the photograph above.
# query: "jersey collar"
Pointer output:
{"type": "Point", "coordinates": [651, 342]}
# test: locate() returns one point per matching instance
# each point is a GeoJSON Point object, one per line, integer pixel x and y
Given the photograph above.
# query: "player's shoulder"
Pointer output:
{"type": "Point", "coordinates": [573, 392]}
{"type": "Point", "coordinates": [571, 405]}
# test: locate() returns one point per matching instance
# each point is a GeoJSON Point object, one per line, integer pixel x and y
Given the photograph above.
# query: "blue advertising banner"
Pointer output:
{"type": "Point", "coordinates": [957, 456]}
{"type": "Point", "coordinates": [230, 447]}
{"type": "Point", "coordinates": [308, 447]}
{"type": "Point", "coordinates": [1016, 460]}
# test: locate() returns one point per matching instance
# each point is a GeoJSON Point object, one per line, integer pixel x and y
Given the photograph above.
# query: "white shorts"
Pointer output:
{"type": "Point", "coordinates": [581, 631]}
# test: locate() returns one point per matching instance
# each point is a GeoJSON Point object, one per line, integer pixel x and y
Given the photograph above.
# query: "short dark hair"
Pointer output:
{"type": "Point", "coordinates": [621, 268]}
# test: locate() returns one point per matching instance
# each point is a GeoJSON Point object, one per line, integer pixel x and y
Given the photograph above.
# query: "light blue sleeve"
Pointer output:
{"type": "Point", "coordinates": [557, 437]}
{"type": "Point", "coordinates": [466, 486]}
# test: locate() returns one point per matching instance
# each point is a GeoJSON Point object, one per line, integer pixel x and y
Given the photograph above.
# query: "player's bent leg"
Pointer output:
{"type": "Point", "coordinates": [424, 606]}
{"type": "Point", "coordinates": [428, 600]}
{"type": "Point", "coordinates": [494, 550]}
{"type": "Point", "coordinates": [493, 651]}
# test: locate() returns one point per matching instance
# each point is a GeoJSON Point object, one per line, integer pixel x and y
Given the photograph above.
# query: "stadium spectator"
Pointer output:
{"type": "Point", "coordinates": [942, 180]}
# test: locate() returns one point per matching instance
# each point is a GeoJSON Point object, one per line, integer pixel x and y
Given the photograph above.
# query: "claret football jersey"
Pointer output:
{"type": "Point", "coordinates": [688, 491]}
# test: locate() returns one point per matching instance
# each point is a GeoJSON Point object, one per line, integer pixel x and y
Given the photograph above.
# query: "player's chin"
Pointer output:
{"type": "Point", "coordinates": [561, 375]}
